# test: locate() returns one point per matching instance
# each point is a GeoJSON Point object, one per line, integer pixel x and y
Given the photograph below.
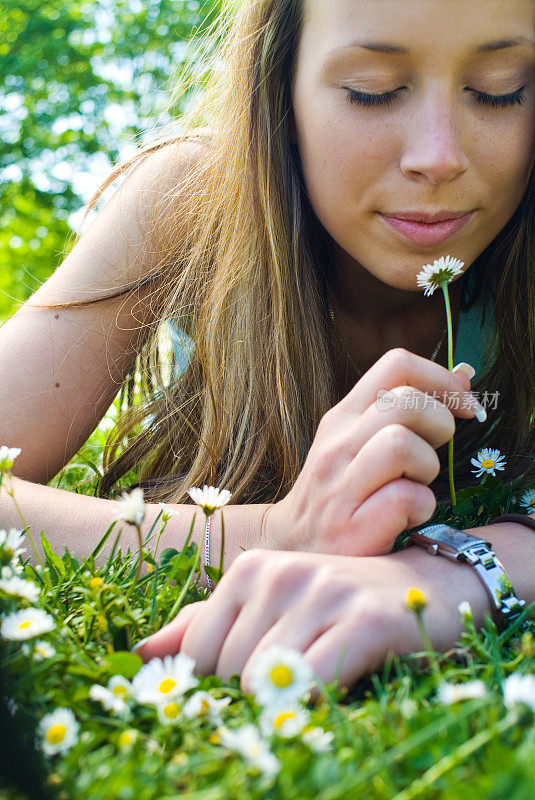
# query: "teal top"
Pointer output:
{"type": "Point", "coordinates": [474, 329]}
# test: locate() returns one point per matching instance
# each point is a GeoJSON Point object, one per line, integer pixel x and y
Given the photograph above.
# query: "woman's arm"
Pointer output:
{"type": "Point", "coordinates": [78, 522]}
{"type": "Point", "coordinates": [322, 605]}
{"type": "Point", "coordinates": [61, 368]}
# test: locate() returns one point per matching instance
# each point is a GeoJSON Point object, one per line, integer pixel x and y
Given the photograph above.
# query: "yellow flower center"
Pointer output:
{"type": "Point", "coordinates": [24, 625]}
{"type": "Point", "coordinates": [167, 685]}
{"type": "Point", "coordinates": [281, 676]}
{"type": "Point", "coordinates": [171, 710]}
{"type": "Point", "coordinates": [125, 739]}
{"type": "Point", "coordinates": [214, 738]}
{"type": "Point", "coordinates": [96, 583]}
{"type": "Point", "coordinates": [56, 734]}
{"type": "Point", "coordinates": [488, 463]}
{"type": "Point", "coordinates": [205, 706]}
{"type": "Point", "coordinates": [416, 600]}
{"type": "Point", "coordinates": [280, 719]}
{"type": "Point", "coordinates": [119, 691]}
{"type": "Point", "coordinates": [532, 502]}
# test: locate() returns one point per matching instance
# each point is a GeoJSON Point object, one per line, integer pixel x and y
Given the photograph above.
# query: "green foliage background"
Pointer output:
{"type": "Point", "coordinates": [80, 84]}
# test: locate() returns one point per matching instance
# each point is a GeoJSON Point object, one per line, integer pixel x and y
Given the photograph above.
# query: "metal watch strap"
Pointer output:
{"type": "Point", "coordinates": [506, 606]}
{"type": "Point", "coordinates": [488, 566]}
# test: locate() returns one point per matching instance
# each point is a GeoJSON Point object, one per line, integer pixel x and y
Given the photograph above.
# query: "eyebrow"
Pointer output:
{"type": "Point", "coordinates": [385, 47]}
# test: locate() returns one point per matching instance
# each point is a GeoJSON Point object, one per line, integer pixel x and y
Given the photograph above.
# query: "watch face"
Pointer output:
{"type": "Point", "coordinates": [450, 537]}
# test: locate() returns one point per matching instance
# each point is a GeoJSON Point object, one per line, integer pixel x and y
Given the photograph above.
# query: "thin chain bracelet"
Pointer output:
{"type": "Point", "coordinates": [207, 551]}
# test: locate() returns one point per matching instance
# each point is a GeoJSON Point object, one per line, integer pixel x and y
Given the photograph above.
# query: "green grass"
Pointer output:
{"type": "Point", "coordinates": [392, 736]}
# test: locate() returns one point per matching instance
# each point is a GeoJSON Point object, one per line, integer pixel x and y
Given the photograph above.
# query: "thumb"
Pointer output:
{"type": "Point", "coordinates": [168, 639]}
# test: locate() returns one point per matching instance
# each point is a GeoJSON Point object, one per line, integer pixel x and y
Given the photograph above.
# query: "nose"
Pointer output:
{"type": "Point", "coordinates": [433, 149]}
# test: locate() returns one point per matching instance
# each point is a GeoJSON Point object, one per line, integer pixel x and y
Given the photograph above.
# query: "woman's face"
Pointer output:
{"type": "Point", "coordinates": [436, 145]}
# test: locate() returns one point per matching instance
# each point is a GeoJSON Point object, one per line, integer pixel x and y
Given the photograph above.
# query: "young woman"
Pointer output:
{"type": "Point", "coordinates": [270, 240]}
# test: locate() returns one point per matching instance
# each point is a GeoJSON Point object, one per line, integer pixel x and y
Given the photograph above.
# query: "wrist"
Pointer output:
{"type": "Point", "coordinates": [447, 583]}
{"type": "Point", "coordinates": [514, 544]}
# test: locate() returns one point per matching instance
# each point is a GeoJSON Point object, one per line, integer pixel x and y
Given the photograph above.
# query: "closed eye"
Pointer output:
{"type": "Point", "coordinates": [495, 101]}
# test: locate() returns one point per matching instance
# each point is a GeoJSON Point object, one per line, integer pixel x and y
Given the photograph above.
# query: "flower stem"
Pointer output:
{"type": "Point", "coordinates": [139, 562]}
{"type": "Point", "coordinates": [11, 492]}
{"type": "Point", "coordinates": [444, 287]}
{"type": "Point", "coordinates": [452, 760]}
{"type": "Point", "coordinates": [426, 641]}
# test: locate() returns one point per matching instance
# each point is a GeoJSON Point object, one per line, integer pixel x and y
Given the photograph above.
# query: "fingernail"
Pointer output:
{"type": "Point", "coordinates": [462, 366]}
{"type": "Point", "coordinates": [138, 644]}
{"type": "Point", "coordinates": [481, 414]}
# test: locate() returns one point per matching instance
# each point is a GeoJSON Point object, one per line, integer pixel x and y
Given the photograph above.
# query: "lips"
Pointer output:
{"type": "Point", "coordinates": [427, 234]}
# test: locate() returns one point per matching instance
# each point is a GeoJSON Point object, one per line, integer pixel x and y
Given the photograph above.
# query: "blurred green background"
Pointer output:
{"type": "Point", "coordinates": [82, 84]}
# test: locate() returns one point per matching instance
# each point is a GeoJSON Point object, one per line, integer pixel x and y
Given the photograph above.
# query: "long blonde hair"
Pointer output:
{"type": "Point", "coordinates": [248, 280]}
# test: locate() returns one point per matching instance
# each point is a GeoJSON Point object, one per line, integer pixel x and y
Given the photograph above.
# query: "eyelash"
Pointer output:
{"type": "Point", "coordinates": [495, 101]}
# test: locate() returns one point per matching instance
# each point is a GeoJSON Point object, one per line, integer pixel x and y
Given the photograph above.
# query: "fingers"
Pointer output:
{"type": "Point", "coordinates": [397, 506]}
{"type": "Point", "coordinates": [399, 367]}
{"type": "Point", "coordinates": [279, 612]}
{"type": "Point", "coordinates": [167, 641]}
{"type": "Point", "coordinates": [204, 639]}
{"type": "Point", "coordinates": [426, 416]}
{"type": "Point", "coordinates": [393, 452]}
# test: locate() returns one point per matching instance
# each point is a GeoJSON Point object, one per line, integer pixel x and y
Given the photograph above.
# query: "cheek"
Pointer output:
{"type": "Point", "coordinates": [343, 159]}
{"type": "Point", "coordinates": [513, 149]}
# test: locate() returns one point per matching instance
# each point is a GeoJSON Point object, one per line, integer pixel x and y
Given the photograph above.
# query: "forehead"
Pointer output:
{"type": "Point", "coordinates": [415, 25]}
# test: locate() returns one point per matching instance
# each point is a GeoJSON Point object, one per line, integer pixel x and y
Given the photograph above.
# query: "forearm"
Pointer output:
{"type": "Point", "coordinates": [78, 522]}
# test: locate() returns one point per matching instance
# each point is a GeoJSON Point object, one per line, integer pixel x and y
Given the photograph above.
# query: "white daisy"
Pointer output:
{"type": "Point", "coordinates": [203, 704]}
{"type": "Point", "coordinates": [408, 707]}
{"type": "Point", "coordinates": [10, 543]}
{"type": "Point", "coordinates": [209, 498]}
{"type": "Point", "coordinates": [519, 689]}
{"type": "Point", "coordinates": [11, 570]}
{"type": "Point", "coordinates": [131, 507]}
{"type": "Point", "coordinates": [448, 693]}
{"type": "Point", "coordinates": [41, 650]}
{"type": "Point", "coordinates": [7, 457]}
{"type": "Point", "coordinates": [26, 624]}
{"type": "Point", "coordinates": [167, 512]}
{"type": "Point", "coordinates": [280, 675]}
{"type": "Point", "coordinates": [17, 587]}
{"type": "Point", "coordinates": [160, 681]}
{"type": "Point", "coordinates": [169, 711]}
{"type": "Point", "coordinates": [465, 610]}
{"type": "Point", "coordinates": [247, 741]}
{"type": "Point", "coordinates": [127, 738]}
{"type": "Point", "coordinates": [318, 740]}
{"type": "Point", "coordinates": [487, 460]}
{"type": "Point", "coordinates": [527, 499]}
{"type": "Point", "coordinates": [285, 720]}
{"type": "Point", "coordinates": [107, 699]}
{"type": "Point", "coordinates": [443, 270]}
{"type": "Point", "coordinates": [152, 746]}
{"type": "Point", "coordinates": [120, 687]}
{"type": "Point", "coordinates": [58, 731]}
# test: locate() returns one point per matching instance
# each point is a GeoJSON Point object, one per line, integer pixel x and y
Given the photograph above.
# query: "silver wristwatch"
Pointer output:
{"type": "Point", "coordinates": [461, 546]}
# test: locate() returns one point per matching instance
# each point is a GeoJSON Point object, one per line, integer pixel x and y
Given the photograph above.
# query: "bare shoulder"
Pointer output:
{"type": "Point", "coordinates": [77, 357]}
{"type": "Point", "coordinates": [117, 249]}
